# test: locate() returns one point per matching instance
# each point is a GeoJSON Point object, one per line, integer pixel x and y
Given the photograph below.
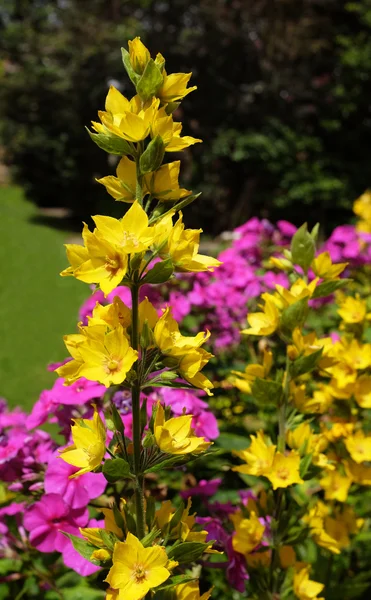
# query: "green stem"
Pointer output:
{"type": "Point", "coordinates": [137, 441]}
{"type": "Point", "coordinates": [281, 447]}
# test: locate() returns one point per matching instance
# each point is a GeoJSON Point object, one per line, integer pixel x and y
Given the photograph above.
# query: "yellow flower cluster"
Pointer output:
{"type": "Point", "coordinates": [105, 258]}
{"type": "Point", "coordinates": [102, 352]}
{"type": "Point", "coordinates": [261, 459]}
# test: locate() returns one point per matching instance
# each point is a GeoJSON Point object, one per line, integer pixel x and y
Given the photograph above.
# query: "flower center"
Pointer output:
{"type": "Point", "coordinates": [129, 238]}
{"type": "Point", "coordinates": [112, 264]}
{"type": "Point", "coordinates": [139, 574]}
{"type": "Point", "coordinates": [112, 365]}
{"type": "Point", "coordinates": [283, 473]}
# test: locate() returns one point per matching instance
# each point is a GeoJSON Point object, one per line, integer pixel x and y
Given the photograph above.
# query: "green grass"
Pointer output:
{"type": "Point", "coordinates": [37, 306]}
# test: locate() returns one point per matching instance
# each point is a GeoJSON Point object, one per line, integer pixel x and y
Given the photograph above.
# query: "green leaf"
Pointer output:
{"type": "Point", "coordinates": [305, 464]}
{"type": "Point", "coordinates": [173, 581]}
{"type": "Point", "coordinates": [148, 539]}
{"type": "Point", "coordinates": [232, 441]}
{"type": "Point", "coordinates": [267, 391]}
{"type": "Point", "coordinates": [150, 82]}
{"type": "Point", "coordinates": [83, 547]}
{"type": "Point", "coordinates": [152, 157]}
{"type": "Point", "coordinates": [115, 469]}
{"type": "Point", "coordinates": [188, 551]}
{"type": "Point", "coordinates": [329, 287]}
{"type": "Point", "coordinates": [175, 519]}
{"type": "Point", "coordinates": [111, 144]}
{"type": "Point", "coordinates": [109, 538]}
{"type": "Point", "coordinates": [305, 364]}
{"type": "Point", "coordinates": [294, 315]}
{"type": "Point", "coordinates": [315, 231]}
{"type": "Point", "coordinates": [83, 592]}
{"type": "Point", "coordinates": [168, 462]}
{"type": "Point", "coordinates": [10, 565]}
{"type": "Point", "coordinates": [303, 248]}
{"type": "Point", "coordinates": [134, 77]}
{"type": "Point", "coordinates": [117, 420]}
{"type": "Point", "coordinates": [161, 272]}
{"type": "Point", "coordinates": [119, 519]}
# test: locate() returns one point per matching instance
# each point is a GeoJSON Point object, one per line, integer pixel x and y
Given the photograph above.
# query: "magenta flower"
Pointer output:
{"type": "Point", "coordinates": [75, 492]}
{"type": "Point", "coordinates": [204, 488]}
{"type": "Point", "coordinates": [75, 561]}
{"type": "Point", "coordinates": [46, 519]}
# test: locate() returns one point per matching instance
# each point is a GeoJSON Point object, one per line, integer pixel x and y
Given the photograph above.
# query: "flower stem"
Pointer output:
{"type": "Point", "coordinates": [137, 442]}
{"type": "Point", "coordinates": [279, 494]}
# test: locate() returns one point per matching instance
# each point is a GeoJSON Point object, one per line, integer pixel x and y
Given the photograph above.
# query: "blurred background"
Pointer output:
{"type": "Point", "coordinates": [283, 107]}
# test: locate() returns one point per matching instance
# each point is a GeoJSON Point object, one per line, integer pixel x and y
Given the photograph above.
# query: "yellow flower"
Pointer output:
{"type": "Point", "coordinates": [104, 356]}
{"type": "Point", "coordinates": [359, 473]}
{"type": "Point", "coordinates": [164, 126]}
{"type": "Point", "coordinates": [352, 310]}
{"type": "Point", "coordinates": [265, 322]}
{"type": "Point", "coordinates": [131, 234]}
{"type": "Point", "coordinates": [284, 470]}
{"type": "Point", "coordinates": [362, 208]}
{"type": "Point", "coordinates": [99, 262]}
{"type": "Point", "coordinates": [89, 444]}
{"type": "Point", "coordinates": [324, 268]}
{"type": "Point", "coordinates": [362, 391]}
{"type": "Point", "coordinates": [258, 456]}
{"type": "Point", "coordinates": [124, 119]}
{"type": "Point", "coordinates": [163, 183]}
{"type": "Point", "coordinates": [122, 187]}
{"type": "Point", "coordinates": [174, 87]}
{"type": "Point", "coordinates": [299, 290]}
{"type": "Point", "coordinates": [318, 404]}
{"type": "Point", "coordinates": [243, 381]}
{"type": "Point", "coordinates": [113, 315]}
{"type": "Point", "coordinates": [137, 569]}
{"type": "Point", "coordinates": [336, 486]}
{"type": "Point", "coordinates": [104, 259]}
{"type": "Point", "coordinates": [307, 344]}
{"type": "Point", "coordinates": [249, 533]}
{"type": "Point", "coordinates": [304, 588]}
{"type": "Point", "coordinates": [301, 436]}
{"type": "Point", "coordinates": [359, 447]}
{"type": "Point", "coordinates": [189, 368]}
{"type": "Point", "coordinates": [190, 591]}
{"type": "Point", "coordinates": [183, 350]}
{"type": "Point", "coordinates": [139, 55]}
{"type": "Point", "coordinates": [182, 246]}
{"type": "Point", "coordinates": [337, 430]}
{"type": "Point", "coordinates": [176, 436]}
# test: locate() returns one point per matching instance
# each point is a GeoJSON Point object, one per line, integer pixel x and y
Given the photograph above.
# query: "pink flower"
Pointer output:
{"type": "Point", "coordinates": [75, 492]}
{"type": "Point", "coordinates": [46, 519]}
{"type": "Point", "coordinates": [203, 488]}
{"type": "Point", "coordinates": [75, 561]}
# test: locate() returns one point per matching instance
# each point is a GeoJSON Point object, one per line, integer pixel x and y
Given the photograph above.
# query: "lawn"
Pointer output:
{"type": "Point", "coordinates": [37, 306]}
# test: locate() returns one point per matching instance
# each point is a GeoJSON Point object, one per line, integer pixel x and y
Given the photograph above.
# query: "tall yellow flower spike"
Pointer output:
{"type": "Point", "coordinates": [89, 444]}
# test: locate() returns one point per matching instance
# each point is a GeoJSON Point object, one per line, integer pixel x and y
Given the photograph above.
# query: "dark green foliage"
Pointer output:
{"type": "Point", "coordinates": [282, 101]}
